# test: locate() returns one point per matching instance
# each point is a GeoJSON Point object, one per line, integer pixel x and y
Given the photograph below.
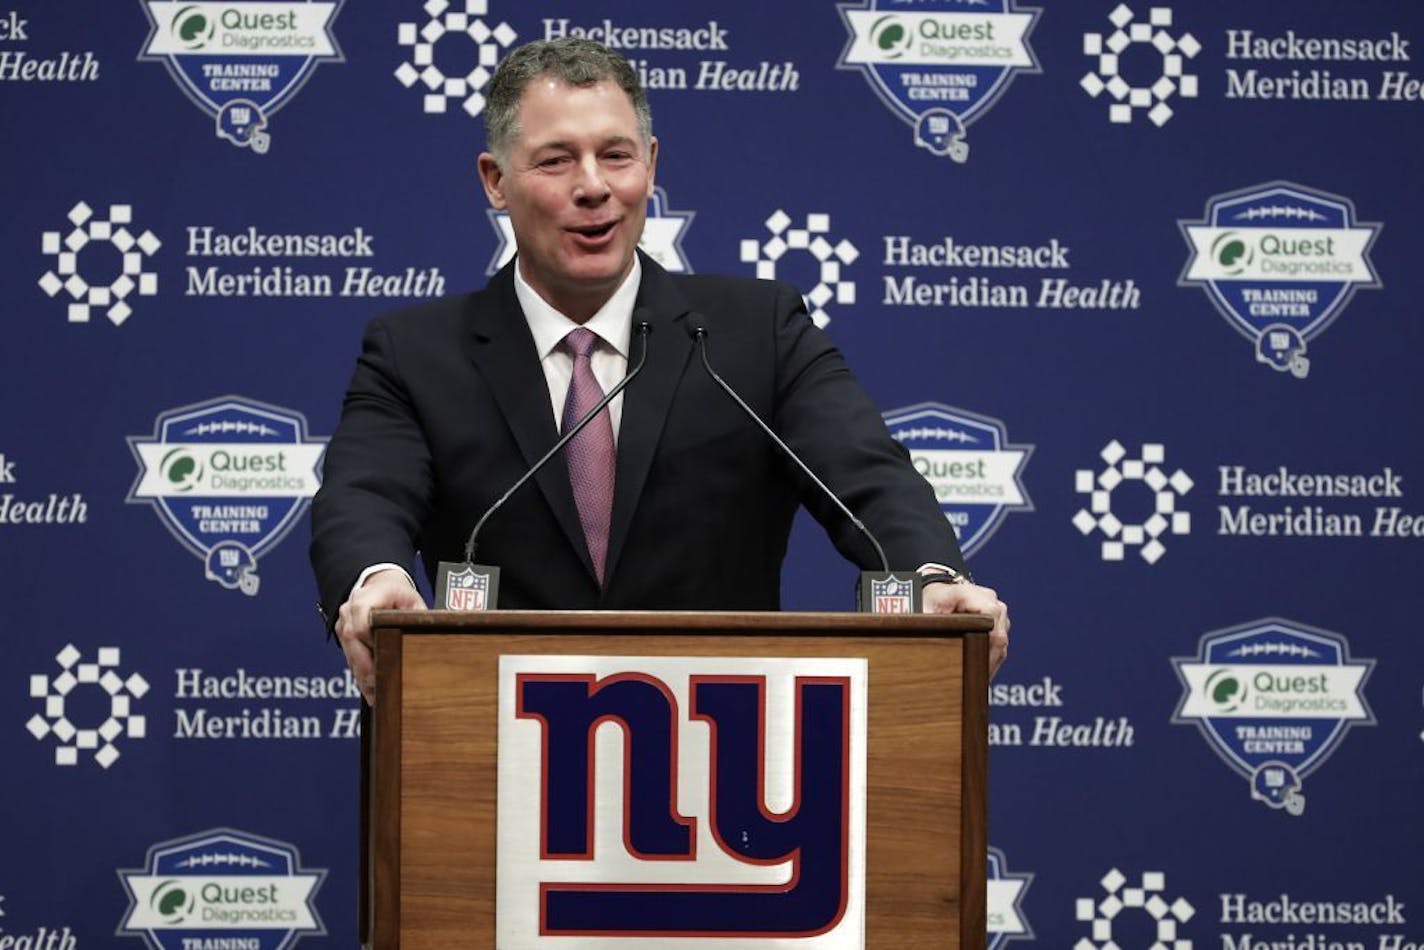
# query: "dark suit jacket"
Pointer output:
{"type": "Point", "coordinates": [448, 407]}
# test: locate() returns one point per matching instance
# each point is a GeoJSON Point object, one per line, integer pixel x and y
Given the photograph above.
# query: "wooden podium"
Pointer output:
{"type": "Point", "coordinates": [428, 852]}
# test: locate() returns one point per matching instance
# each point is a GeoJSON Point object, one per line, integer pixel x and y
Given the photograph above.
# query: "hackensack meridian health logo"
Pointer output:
{"type": "Point", "coordinates": [75, 678]}
{"type": "Point", "coordinates": [1106, 915]}
{"type": "Point", "coordinates": [941, 65]}
{"type": "Point", "coordinates": [89, 291]}
{"type": "Point", "coordinates": [222, 887]}
{"type": "Point", "coordinates": [1107, 53]}
{"type": "Point", "coordinates": [229, 478]}
{"type": "Point", "coordinates": [976, 473]}
{"type": "Point", "coordinates": [1280, 261]}
{"type": "Point", "coordinates": [241, 62]}
{"type": "Point", "coordinates": [663, 231]}
{"type": "Point", "coordinates": [1274, 698]}
{"type": "Point", "coordinates": [450, 25]}
{"type": "Point", "coordinates": [813, 238]}
{"type": "Point", "coordinates": [1147, 476]}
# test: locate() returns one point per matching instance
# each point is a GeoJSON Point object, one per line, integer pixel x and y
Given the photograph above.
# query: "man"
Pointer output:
{"type": "Point", "coordinates": [688, 505]}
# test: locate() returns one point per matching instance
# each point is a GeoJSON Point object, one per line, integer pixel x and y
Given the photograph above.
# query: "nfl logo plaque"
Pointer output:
{"type": "Point", "coordinates": [466, 587]}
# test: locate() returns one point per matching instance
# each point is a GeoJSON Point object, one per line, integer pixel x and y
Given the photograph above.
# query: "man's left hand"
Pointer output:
{"type": "Point", "coordinates": [973, 599]}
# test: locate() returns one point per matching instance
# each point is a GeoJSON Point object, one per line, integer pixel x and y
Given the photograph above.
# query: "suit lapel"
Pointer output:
{"type": "Point", "coordinates": [502, 348]}
{"type": "Point", "coordinates": [647, 399]}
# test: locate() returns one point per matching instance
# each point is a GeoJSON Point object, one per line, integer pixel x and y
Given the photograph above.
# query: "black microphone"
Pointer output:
{"type": "Point", "coordinates": [471, 586]}
{"type": "Point", "coordinates": [878, 592]}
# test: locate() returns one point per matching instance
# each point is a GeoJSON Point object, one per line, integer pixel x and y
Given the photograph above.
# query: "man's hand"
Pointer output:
{"type": "Point", "coordinates": [384, 590]}
{"type": "Point", "coordinates": [971, 598]}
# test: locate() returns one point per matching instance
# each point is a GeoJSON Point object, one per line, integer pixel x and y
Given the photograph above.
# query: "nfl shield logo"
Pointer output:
{"type": "Point", "coordinates": [893, 596]}
{"type": "Point", "coordinates": [466, 590]}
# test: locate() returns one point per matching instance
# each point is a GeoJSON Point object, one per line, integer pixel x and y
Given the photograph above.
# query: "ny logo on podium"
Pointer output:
{"type": "Point", "coordinates": [667, 798]}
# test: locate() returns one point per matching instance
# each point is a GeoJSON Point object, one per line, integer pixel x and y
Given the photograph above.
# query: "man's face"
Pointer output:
{"type": "Point", "coordinates": [576, 184]}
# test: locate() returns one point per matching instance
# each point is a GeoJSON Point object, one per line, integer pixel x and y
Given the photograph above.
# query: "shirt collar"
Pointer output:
{"type": "Point", "coordinates": [613, 322]}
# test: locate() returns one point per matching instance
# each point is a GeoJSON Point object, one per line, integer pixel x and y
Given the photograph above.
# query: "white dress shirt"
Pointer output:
{"type": "Point", "coordinates": [613, 324]}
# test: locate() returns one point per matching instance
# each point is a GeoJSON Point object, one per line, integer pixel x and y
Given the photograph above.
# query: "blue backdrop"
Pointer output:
{"type": "Point", "coordinates": [1138, 285]}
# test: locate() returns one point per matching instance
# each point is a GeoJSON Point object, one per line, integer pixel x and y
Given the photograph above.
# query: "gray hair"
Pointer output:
{"type": "Point", "coordinates": [570, 59]}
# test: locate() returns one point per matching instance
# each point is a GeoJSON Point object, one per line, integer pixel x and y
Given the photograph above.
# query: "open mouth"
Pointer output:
{"type": "Point", "coordinates": [595, 231]}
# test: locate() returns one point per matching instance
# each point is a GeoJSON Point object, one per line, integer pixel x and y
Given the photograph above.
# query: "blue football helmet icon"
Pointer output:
{"type": "Point", "coordinates": [232, 565]}
{"type": "Point", "coordinates": [1283, 349]}
{"type": "Point", "coordinates": [1278, 785]}
{"type": "Point", "coordinates": [242, 123]}
{"type": "Point", "coordinates": [940, 131]}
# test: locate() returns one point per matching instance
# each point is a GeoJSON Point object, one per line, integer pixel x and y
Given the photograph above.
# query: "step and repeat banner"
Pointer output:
{"type": "Point", "coordinates": [1136, 284]}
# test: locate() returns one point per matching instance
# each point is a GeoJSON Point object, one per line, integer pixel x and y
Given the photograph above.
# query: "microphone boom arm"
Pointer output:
{"type": "Point", "coordinates": [698, 331]}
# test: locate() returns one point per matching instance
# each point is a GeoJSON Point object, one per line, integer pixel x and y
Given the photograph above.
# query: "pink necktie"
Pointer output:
{"type": "Point", "coordinates": [591, 453]}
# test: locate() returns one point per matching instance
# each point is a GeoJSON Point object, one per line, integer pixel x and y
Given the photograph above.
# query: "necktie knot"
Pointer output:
{"type": "Point", "coordinates": [580, 342]}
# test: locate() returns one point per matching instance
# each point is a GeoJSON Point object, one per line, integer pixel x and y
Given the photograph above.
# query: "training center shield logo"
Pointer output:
{"type": "Point", "coordinates": [976, 473]}
{"type": "Point", "coordinates": [219, 886]}
{"type": "Point", "coordinates": [1274, 698]}
{"type": "Point", "coordinates": [940, 65]}
{"type": "Point", "coordinates": [229, 478]}
{"type": "Point", "coordinates": [1280, 261]}
{"type": "Point", "coordinates": [241, 62]}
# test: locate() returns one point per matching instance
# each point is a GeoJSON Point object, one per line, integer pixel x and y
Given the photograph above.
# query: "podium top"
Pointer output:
{"type": "Point", "coordinates": [674, 623]}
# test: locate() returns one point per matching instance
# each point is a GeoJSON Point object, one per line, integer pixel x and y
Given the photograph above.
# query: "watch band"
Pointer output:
{"type": "Point", "coordinates": [947, 576]}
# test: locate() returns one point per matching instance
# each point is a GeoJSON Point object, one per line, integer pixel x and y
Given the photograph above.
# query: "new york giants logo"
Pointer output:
{"type": "Point", "coordinates": [643, 800]}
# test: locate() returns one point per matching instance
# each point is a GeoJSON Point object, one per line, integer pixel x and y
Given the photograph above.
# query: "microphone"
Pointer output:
{"type": "Point", "coordinates": [878, 592]}
{"type": "Point", "coordinates": [471, 586]}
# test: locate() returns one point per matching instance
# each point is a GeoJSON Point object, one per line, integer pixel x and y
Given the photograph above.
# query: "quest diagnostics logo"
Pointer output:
{"type": "Point", "coordinates": [976, 473]}
{"type": "Point", "coordinates": [940, 66]}
{"type": "Point", "coordinates": [1274, 698]}
{"type": "Point", "coordinates": [228, 478]}
{"type": "Point", "coordinates": [1280, 262]}
{"type": "Point", "coordinates": [241, 62]}
{"type": "Point", "coordinates": [192, 27]}
{"type": "Point", "coordinates": [222, 887]}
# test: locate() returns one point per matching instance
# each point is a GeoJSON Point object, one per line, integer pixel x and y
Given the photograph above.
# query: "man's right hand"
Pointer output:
{"type": "Point", "coordinates": [383, 590]}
